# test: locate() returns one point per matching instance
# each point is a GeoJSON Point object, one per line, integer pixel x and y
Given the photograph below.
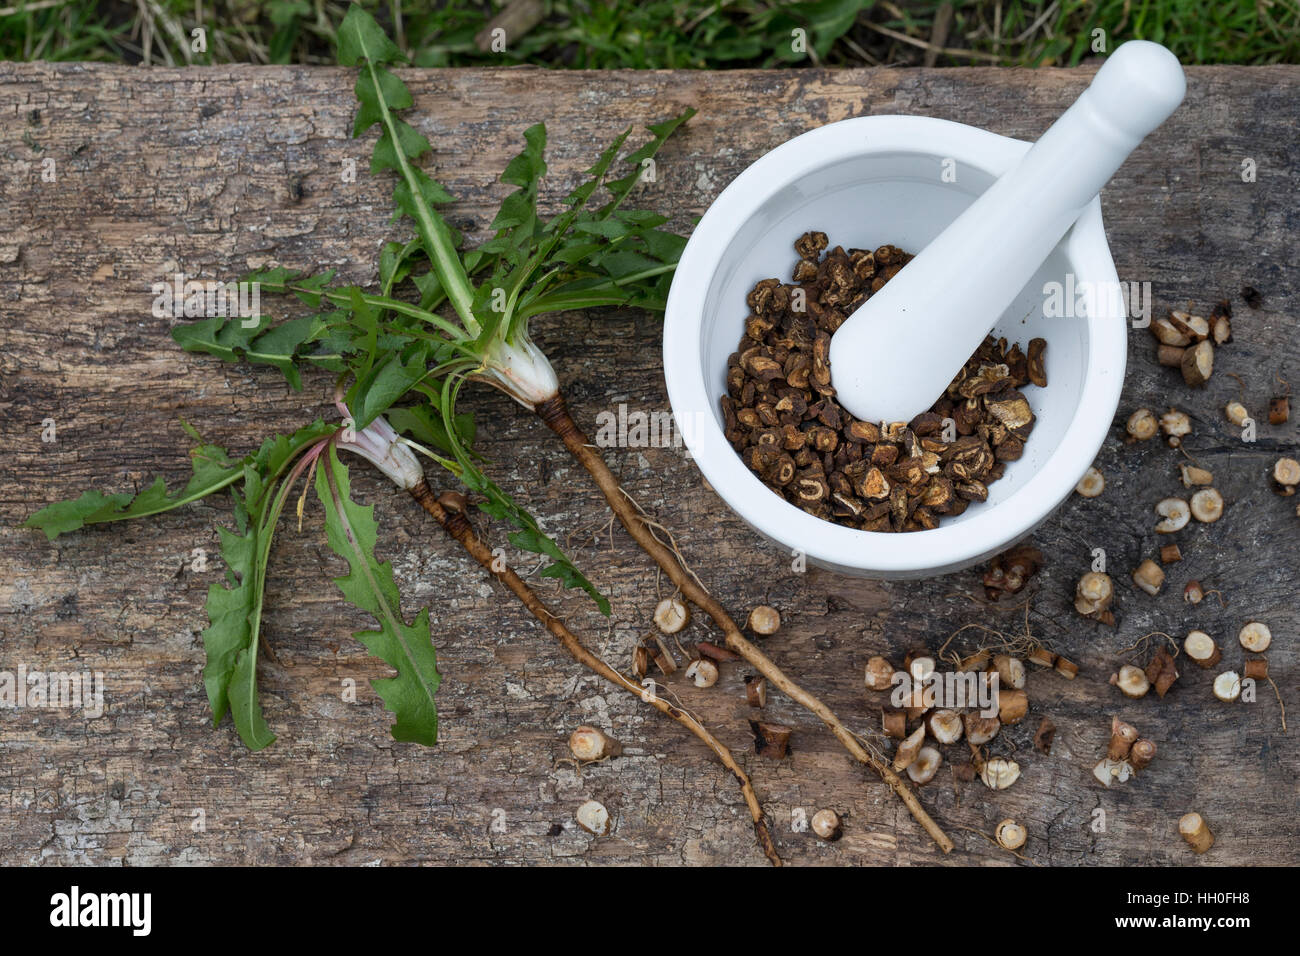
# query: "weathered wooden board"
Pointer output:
{"type": "Point", "coordinates": [197, 171]}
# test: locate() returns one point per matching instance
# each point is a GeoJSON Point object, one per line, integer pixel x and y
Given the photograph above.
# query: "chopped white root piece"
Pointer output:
{"type": "Point", "coordinates": [1149, 576]}
{"type": "Point", "coordinates": [703, 672]}
{"type": "Point", "coordinates": [588, 743]}
{"type": "Point", "coordinates": [1198, 363]}
{"type": "Point", "coordinates": [880, 674]}
{"type": "Point", "coordinates": [1227, 686]}
{"type": "Point", "coordinates": [1141, 424]}
{"type": "Point", "coordinates": [1143, 752]}
{"type": "Point", "coordinates": [594, 818]}
{"type": "Point", "coordinates": [980, 730]}
{"type": "Point", "coordinates": [1236, 413]}
{"type": "Point", "coordinates": [1110, 771]}
{"type": "Point", "coordinates": [1093, 593]}
{"type": "Point", "coordinates": [1011, 835]}
{"type": "Point", "coordinates": [946, 726]}
{"type": "Point", "coordinates": [1091, 484]}
{"type": "Point", "coordinates": [1132, 681]}
{"type": "Point", "coordinates": [1167, 333]}
{"type": "Point", "coordinates": [1207, 505]}
{"type": "Point", "coordinates": [1000, 773]}
{"type": "Point", "coordinates": [1195, 327]}
{"type": "Point", "coordinates": [925, 766]}
{"type": "Point", "coordinates": [1011, 671]}
{"type": "Point", "coordinates": [671, 615]}
{"type": "Point", "coordinates": [1175, 513]}
{"type": "Point", "coordinates": [1193, 828]}
{"type": "Point", "coordinates": [1122, 737]}
{"type": "Point", "coordinates": [764, 620]}
{"type": "Point", "coordinates": [909, 748]}
{"type": "Point", "coordinates": [1176, 424]}
{"type": "Point", "coordinates": [1201, 648]}
{"type": "Point", "coordinates": [1255, 637]}
{"type": "Point", "coordinates": [1012, 706]}
{"type": "Point", "coordinates": [1287, 472]}
{"type": "Point", "coordinates": [921, 668]}
{"type": "Point", "coordinates": [826, 824]}
{"type": "Point", "coordinates": [1193, 475]}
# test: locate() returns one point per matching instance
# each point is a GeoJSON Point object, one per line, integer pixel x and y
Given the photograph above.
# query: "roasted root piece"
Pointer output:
{"type": "Point", "coordinates": [781, 415]}
{"type": "Point", "coordinates": [1010, 571]}
{"type": "Point", "coordinates": [1161, 672]}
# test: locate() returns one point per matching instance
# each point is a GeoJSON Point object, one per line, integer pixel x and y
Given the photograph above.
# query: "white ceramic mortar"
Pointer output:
{"type": "Point", "coordinates": [866, 182]}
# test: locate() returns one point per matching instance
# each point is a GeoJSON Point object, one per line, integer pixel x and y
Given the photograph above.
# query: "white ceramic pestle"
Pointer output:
{"type": "Point", "coordinates": [894, 356]}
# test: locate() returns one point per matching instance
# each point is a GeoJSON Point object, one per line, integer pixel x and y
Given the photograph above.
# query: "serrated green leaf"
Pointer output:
{"type": "Point", "coordinates": [411, 143]}
{"type": "Point", "coordinates": [362, 43]}
{"type": "Point", "coordinates": [213, 470]}
{"type": "Point", "coordinates": [370, 585]}
{"type": "Point", "coordinates": [361, 38]}
{"type": "Point", "coordinates": [373, 395]}
{"type": "Point", "coordinates": [261, 343]}
{"type": "Point", "coordinates": [235, 612]}
{"type": "Point", "coordinates": [278, 347]}
{"type": "Point", "coordinates": [371, 88]}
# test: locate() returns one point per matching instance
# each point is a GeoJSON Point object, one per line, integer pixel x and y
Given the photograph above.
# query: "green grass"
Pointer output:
{"type": "Point", "coordinates": [599, 34]}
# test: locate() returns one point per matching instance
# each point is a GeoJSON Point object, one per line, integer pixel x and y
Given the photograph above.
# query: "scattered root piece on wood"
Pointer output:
{"type": "Point", "coordinates": [1200, 647]}
{"type": "Point", "coordinates": [1193, 828]}
{"type": "Point", "coordinates": [925, 766]}
{"type": "Point", "coordinates": [827, 825]}
{"type": "Point", "coordinates": [1227, 686]}
{"type": "Point", "coordinates": [702, 672]}
{"type": "Point", "coordinates": [1122, 737]}
{"type": "Point", "coordinates": [1013, 705]}
{"type": "Point", "coordinates": [756, 690]}
{"type": "Point", "coordinates": [998, 773]}
{"type": "Point", "coordinates": [594, 818]}
{"type": "Point", "coordinates": [671, 615]}
{"type": "Point", "coordinates": [1149, 576]}
{"type": "Point", "coordinates": [1132, 681]}
{"type": "Point", "coordinates": [588, 744]}
{"type": "Point", "coordinates": [1044, 736]}
{"type": "Point", "coordinates": [764, 620]}
{"type": "Point", "coordinates": [1255, 637]}
{"type": "Point", "coordinates": [1161, 672]}
{"type": "Point", "coordinates": [1010, 835]}
{"type": "Point", "coordinates": [1142, 753]}
{"type": "Point", "coordinates": [770, 740]}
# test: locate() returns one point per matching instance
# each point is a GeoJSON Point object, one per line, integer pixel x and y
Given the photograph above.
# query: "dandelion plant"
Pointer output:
{"type": "Point", "coordinates": [585, 256]}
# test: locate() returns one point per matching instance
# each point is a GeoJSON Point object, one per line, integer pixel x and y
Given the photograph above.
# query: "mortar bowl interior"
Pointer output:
{"type": "Point", "coordinates": [866, 182]}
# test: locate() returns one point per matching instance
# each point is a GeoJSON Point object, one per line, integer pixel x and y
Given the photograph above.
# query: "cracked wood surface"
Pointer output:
{"type": "Point", "coordinates": [199, 171]}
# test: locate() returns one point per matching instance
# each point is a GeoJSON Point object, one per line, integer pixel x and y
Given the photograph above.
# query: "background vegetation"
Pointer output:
{"type": "Point", "coordinates": [590, 34]}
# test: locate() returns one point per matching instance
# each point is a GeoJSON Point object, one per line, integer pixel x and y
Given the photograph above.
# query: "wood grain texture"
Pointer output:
{"type": "Point", "coordinates": [196, 171]}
